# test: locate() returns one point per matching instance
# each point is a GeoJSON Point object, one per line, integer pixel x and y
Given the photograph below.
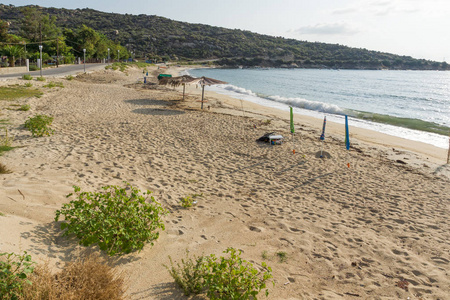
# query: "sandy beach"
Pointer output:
{"type": "Point", "coordinates": [348, 233]}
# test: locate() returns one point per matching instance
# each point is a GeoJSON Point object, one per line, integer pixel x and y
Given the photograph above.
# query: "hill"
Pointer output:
{"type": "Point", "coordinates": [153, 36]}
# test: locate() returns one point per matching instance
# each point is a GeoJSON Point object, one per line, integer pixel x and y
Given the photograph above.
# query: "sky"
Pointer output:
{"type": "Point", "coordinates": [416, 28]}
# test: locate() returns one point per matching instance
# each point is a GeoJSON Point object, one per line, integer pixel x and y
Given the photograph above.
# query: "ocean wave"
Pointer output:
{"type": "Point", "coordinates": [311, 105]}
{"type": "Point", "coordinates": [294, 102]}
{"type": "Point", "coordinates": [239, 90]}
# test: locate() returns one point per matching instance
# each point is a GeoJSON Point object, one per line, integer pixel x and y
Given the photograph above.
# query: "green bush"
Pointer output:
{"type": "Point", "coordinates": [222, 278]}
{"type": "Point", "coordinates": [27, 77]}
{"type": "Point", "coordinates": [118, 220]}
{"type": "Point", "coordinates": [234, 278]}
{"type": "Point", "coordinates": [39, 125]}
{"type": "Point", "coordinates": [69, 77]}
{"type": "Point", "coordinates": [28, 84]}
{"type": "Point", "coordinates": [41, 78]}
{"type": "Point", "coordinates": [14, 270]}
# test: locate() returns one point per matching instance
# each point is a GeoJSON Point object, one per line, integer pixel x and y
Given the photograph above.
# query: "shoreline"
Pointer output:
{"type": "Point", "coordinates": [424, 152]}
{"type": "Point", "coordinates": [343, 231]}
{"type": "Point", "coordinates": [438, 138]}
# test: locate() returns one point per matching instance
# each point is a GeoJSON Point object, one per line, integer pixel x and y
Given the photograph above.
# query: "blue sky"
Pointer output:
{"type": "Point", "coordinates": [417, 28]}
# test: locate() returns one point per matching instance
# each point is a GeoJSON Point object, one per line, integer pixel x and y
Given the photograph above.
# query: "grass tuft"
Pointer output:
{"type": "Point", "coordinates": [25, 107]}
{"type": "Point", "coordinates": [53, 84]}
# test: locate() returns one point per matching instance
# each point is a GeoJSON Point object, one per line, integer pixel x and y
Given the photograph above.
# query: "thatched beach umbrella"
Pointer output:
{"type": "Point", "coordinates": [206, 81]}
{"type": "Point", "coordinates": [177, 81]}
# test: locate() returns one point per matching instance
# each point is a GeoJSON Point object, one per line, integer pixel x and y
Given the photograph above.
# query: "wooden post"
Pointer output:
{"type": "Point", "coordinates": [203, 93]}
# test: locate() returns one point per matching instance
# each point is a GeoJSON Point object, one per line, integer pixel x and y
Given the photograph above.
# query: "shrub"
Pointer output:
{"type": "Point", "coordinates": [234, 278]}
{"type": "Point", "coordinates": [28, 84]}
{"type": "Point", "coordinates": [222, 278]}
{"type": "Point", "coordinates": [27, 77]}
{"type": "Point", "coordinates": [69, 77]}
{"type": "Point", "coordinates": [88, 278]}
{"type": "Point", "coordinates": [41, 78]}
{"type": "Point", "coordinates": [190, 275]}
{"type": "Point", "coordinates": [25, 107]}
{"type": "Point", "coordinates": [118, 220]}
{"type": "Point", "coordinates": [39, 125]}
{"type": "Point", "coordinates": [14, 270]}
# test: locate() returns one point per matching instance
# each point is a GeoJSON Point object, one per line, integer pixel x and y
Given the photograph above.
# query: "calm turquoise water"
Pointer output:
{"type": "Point", "coordinates": [409, 104]}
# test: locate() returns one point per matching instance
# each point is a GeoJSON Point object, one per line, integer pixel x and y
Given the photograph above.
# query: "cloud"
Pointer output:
{"type": "Point", "coordinates": [327, 29]}
{"type": "Point", "coordinates": [344, 11]}
{"type": "Point", "coordinates": [381, 7]}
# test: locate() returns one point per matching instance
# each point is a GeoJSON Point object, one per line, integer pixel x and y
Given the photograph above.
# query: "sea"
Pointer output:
{"type": "Point", "coordinates": [414, 105]}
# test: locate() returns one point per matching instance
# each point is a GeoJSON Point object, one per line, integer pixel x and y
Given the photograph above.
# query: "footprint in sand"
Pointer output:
{"type": "Point", "coordinates": [255, 229]}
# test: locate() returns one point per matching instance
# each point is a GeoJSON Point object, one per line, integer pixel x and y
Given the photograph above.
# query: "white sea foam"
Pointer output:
{"type": "Point", "coordinates": [311, 105]}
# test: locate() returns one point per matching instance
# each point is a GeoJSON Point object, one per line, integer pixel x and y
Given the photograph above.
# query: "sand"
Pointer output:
{"type": "Point", "coordinates": [347, 233]}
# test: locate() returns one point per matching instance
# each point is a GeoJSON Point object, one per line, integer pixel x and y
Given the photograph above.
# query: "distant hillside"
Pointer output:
{"type": "Point", "coordinates": [153, 36]}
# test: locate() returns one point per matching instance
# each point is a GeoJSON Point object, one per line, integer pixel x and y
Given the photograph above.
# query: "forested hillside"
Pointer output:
{"type": "Point", "coordinates": [157, 37]}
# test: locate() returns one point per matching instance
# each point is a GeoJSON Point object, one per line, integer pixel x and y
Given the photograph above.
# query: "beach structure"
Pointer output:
{"type": "Point", "coordinates": [177, 81]}
{"type": "Point", "coordinates": [203, 81]}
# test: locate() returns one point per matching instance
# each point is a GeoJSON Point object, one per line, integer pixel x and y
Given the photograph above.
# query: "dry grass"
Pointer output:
{"type": "Point", "coordinates": [89, 279]}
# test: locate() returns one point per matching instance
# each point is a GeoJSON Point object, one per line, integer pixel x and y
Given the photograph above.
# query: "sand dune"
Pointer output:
{"type": "Point", "coordinates": [348, 233]}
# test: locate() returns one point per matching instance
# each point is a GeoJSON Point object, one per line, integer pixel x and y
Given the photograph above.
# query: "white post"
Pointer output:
{"type": "Point", "coordinates": [84, 60]}
{"type": "Point", "coordinates": [40, 64]}
{"type": "Point", "coordinates": [27, 63]}
{"type": "Point", "coordinates": [108, 55]}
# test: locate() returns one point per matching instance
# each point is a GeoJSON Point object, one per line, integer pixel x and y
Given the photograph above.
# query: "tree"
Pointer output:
{"type": "Point", "coordinates": [37, 27]}
{"type": "Point", "coordinates": [12, 52]}
{"type": "Point", "coordinates": [4, 28]}
{"type": "Point", "coordinates": [88, 39]}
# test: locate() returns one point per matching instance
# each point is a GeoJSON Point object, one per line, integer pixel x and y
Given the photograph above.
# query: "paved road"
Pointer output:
{"type": "Point", "coordinates": [57, 72]}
